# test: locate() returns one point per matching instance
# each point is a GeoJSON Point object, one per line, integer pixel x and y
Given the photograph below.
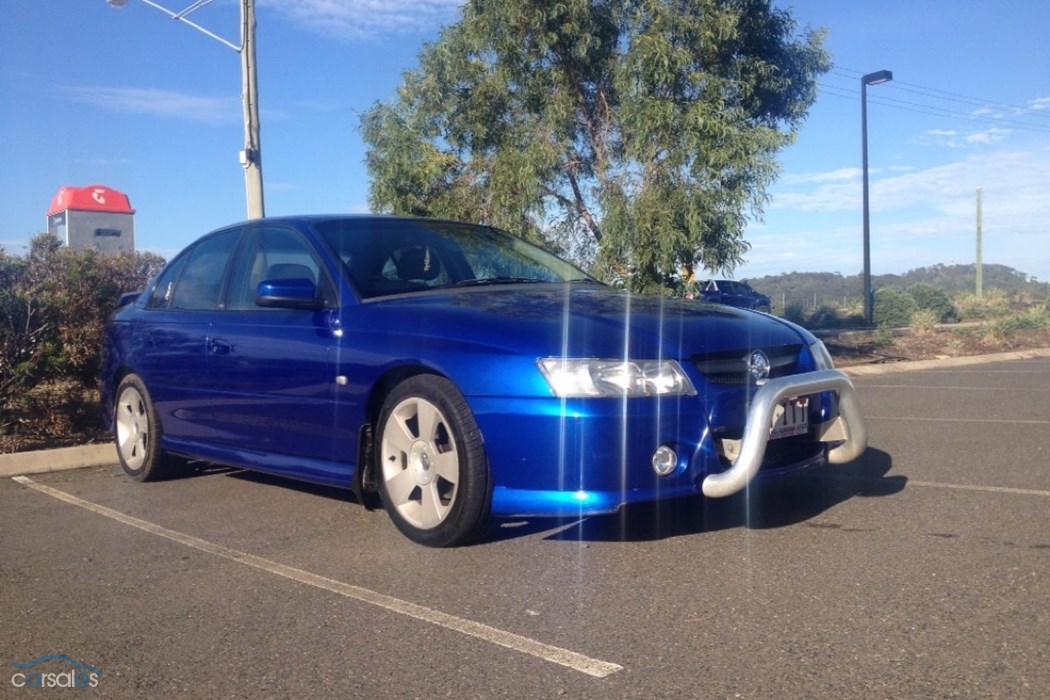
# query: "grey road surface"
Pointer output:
{"type": "Point", "coordinates": [921, 570]}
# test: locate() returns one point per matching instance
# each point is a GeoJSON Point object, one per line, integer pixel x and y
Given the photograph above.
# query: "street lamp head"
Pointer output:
{"type": "Point", "coordinates": [116, 3]}
{"type": "Point", "coordinates": [876, 78]}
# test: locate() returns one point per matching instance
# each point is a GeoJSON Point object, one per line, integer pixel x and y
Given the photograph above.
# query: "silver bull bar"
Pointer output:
{"type": "Point", "coordinates": [849, 427]}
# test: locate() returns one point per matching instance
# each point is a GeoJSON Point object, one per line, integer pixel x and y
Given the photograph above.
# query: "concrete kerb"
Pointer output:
{"type": "Point", "coordinates": [64, 458]}
{"type": "Point", "coordinates": [60, 459]}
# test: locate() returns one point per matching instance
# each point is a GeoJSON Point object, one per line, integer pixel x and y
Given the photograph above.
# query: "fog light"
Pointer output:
{"type": "Point", "coordinates": [664, 460]}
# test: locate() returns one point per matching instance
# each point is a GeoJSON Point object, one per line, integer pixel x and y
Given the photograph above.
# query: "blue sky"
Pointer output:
{"type": "Point", "coordinates": [130, 99]}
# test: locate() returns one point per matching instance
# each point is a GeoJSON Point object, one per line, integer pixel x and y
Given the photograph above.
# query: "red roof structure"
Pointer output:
{"type": "Point", "coordinates": [90, 198]}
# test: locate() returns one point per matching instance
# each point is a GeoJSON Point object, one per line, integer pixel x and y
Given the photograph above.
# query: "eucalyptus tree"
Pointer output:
{"type": "Point", "coordinates": [639, 135]}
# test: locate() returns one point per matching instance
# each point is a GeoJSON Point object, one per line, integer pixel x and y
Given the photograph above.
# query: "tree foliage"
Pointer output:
{"type": "Point", "coordinates": [637, 135]}
{"type": "Point", "coordinates": [53, 306]}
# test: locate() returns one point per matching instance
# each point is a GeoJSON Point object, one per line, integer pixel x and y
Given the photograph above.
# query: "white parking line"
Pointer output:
{"type": "Point", "coordinates": [927, 419]}
{"type": "Point", "coordinates": [509, 640]}
{"type": "Point", "coordinates": [986, 489]}
{"type": "Point", "coordinates": [934, 387]}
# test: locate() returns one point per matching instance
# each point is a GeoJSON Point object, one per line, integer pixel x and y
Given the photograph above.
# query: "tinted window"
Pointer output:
{"type": "Point", "coordinates": [199, 285]}
{"type": "Point", "coordinates": [269, 254]}
{"type": "Point", "coordinates": [398, 256]}
{"type": "Point", "coordinates": [164, 290]}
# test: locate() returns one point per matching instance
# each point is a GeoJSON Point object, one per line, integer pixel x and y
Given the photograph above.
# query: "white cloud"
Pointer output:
{"type": "Point", "coordinates": [159, 103]}
{"type": "Point", "coordinates": [365, 19]}
{"type": "Point", "coordinates": [1040, 104]}
{"type": "Point", "coordinates": [953, 138]}
{"type": "Point", "coordinates": [988, 136]}
{"type": "Point", "coordinates": [840, 175]}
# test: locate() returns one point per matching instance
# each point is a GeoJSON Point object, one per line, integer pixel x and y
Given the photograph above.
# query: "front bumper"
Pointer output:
{"type": "Point", "coordinates": [848, 427]}
{"type": "Point", "coordinates": [591, 456]}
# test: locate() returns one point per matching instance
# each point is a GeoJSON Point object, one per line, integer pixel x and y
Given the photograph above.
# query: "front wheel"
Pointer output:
{"type": "Point", "coordinates": [433, 473]}
{"type": "Point", "coordinates": [138, 432]}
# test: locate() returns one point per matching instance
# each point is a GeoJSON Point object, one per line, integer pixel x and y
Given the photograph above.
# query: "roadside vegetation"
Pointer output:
{"type": "Point", "coordinates": [53, 305]}
{"type": "Point", "coordinates": [926, 322]}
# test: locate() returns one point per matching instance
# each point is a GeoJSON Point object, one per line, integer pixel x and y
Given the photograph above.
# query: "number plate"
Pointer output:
{"type": "Point", "coordinates": [790, 418]}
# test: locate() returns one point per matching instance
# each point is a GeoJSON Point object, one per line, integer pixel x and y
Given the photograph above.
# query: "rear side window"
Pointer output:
{"type": "Point", "coordinates": [194, 282]}
{"type": "Point", "coordinates": [164, 290]}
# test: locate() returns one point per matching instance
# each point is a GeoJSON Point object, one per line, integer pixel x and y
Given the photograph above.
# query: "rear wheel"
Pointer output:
{"type": "Point", "coordinates": [138, 432]}
{"type": "Point", "coordinates": [432, 471]}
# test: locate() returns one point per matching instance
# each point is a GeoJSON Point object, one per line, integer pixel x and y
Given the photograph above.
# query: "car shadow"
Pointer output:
{"type": "Point", "coordinates": [767, 504]}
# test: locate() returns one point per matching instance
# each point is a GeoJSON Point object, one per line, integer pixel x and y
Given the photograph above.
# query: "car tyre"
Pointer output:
{"type": "Point", "coordinates": [137, 432]}
{"type": "Point", "coordinates": [431, 466]}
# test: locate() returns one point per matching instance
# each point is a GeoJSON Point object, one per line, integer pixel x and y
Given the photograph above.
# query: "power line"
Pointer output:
{"type": "Point", "coordinates": [938, 94]}
{"type": "Point", "coordinates": [937, 110]}
{"type": "Point", "coordinates": [933, 110]}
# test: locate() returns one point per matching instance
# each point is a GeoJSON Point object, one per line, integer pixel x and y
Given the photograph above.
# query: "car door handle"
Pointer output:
{"type": "Point", "coordinates": [219, 347]}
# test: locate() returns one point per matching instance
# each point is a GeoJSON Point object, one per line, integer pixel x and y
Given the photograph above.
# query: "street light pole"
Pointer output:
{"type": "Point", "coordinates": [251, 156]}
{"type": "Point", "coordinates": [882, 76]}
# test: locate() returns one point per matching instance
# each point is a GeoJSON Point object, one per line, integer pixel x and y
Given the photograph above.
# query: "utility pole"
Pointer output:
{"type": "Point", "coordinates": [251, 157]}
{"type": "Point", "coordinates": [980, 265]}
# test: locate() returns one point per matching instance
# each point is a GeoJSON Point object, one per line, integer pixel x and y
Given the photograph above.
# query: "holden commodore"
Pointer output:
{"type": "Point", "coordinates": [460, 373]}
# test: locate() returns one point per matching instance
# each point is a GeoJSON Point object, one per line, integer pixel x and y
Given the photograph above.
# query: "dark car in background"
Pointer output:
{"type": "Point", "coordinates": [460, 373]}
{"type": "Point", "coordinates": [733, 293]}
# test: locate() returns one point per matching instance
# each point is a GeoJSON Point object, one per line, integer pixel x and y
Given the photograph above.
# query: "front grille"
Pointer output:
{"type": "Point", "coordinates": [730, 367]}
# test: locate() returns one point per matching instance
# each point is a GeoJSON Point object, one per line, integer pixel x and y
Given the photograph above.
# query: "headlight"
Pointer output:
{"type": "Point", "coordinates": [574, 378]}
{"type": "Point", "coordinates": [821, 356]}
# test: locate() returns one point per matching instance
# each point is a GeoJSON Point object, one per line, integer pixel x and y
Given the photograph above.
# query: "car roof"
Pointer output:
{"type": "Point", "coordinates": [363, 218]}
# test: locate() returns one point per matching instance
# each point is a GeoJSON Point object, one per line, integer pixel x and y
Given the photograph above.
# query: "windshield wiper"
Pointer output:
{"type": "Point", "coordinates": [482, 281]}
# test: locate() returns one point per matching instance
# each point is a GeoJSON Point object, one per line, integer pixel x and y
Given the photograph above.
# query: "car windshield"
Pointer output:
{"type": "Point", "coordinates": [409, 255]}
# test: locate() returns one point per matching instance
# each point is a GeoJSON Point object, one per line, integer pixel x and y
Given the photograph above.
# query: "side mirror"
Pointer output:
{"type": "Point", "coordinates": [296, 293]}
{"type": "Point", "coordinates": [128, 298]}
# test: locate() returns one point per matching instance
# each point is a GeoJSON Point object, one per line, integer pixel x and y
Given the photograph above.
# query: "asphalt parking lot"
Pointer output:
{"type": "Point", "coordinates": [921, 570]}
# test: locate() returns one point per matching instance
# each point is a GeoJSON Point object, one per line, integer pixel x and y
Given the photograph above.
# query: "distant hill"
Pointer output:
{"type": "Point", "coordinates": [813, 289]}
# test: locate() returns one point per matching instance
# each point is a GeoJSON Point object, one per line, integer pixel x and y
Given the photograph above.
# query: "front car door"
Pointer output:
{"type": "Point", "coordinates": [269, 369]}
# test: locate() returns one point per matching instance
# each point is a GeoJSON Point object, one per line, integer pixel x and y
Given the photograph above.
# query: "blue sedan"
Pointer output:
{"type": "Point", "coordinates": [460, 373]}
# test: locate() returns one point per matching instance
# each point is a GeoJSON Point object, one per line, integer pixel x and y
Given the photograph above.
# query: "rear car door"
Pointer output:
{"type": "Point", "coordinates": [170, 337]}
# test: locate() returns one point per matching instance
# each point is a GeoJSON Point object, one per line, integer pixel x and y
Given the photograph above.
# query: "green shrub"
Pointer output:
{"type": "Point", "coordinates": [932, 298]}
{"type": "Point", "coordinates": [882, 337]}
{"type": "Point", "coordinates": [993, 304]}
{"type": "Point", "coordinates": [893, 307]}
{"type": "Point", "coordinates": [924, 321]}
{"type": "Point", "coordinates": [53, 306]}
{"type": "Point", "coordinates": [795, 313]}
{"type": "Point", "coordinates": [823, 317]}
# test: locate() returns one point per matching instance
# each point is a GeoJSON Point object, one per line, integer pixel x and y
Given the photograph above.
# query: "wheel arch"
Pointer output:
{"type": "Point", "coordinates": [365, 486]}
{"type": "Point", "coordinates": [108, 386]}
